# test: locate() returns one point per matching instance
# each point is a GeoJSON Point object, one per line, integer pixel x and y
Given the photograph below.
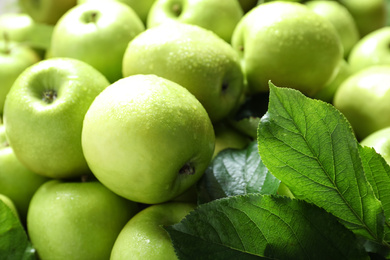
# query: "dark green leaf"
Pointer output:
{"type": "Point", "coordinates": [14, 243]}
{"type": "Point", "coordinates": [256, 226]}
{"type": "Point", "coordinates": [310, 147]}
{"type": "Point", "coordinates": [236, 172]}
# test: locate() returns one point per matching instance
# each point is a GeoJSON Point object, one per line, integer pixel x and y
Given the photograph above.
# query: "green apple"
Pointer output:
{"type": "Point", "coordinates": [20, 27]}
{"type": "Point", "coordinates": [328, 91]}
{"type": "Point", "coordinates": [289, 44]}
{"type": "Point", "coordinates": [147, 138]}
{"type": "Point", "coordinates": [98, 34]}
{"type": "Point", "coordinates": [16, 181]}
{"type": "Point", "coordinates": [14, 59]}
{"type": "Point", "coordinates": [341, 19]}
{"type": "Point", "coordinates": [369, 15]}
{"type": "Point", "coordinates": [372, 49]}
{"type": "Point", "coordinates": [76, 220]}
{"type": "Point", "coordinates": [46, 11]}
{"type": "Point", "coordinates": [380, 141]}
{"type": "Point", "coordinates": [144, 236]}
{"type": "Point", "coordinates": [140, 7]}
{"type": "Point", "coordinates": [7, 201]}
{"type": "Point", "coordinates": [44, 112]}
{"type": "Point", "coordinates": [226, 136]}
{"type": "Point", "coordinates": [221, 17]}
{"type": "Point", "coordinates": [193, 57]}
{"type": "Point", "coordinates": [364, 98]}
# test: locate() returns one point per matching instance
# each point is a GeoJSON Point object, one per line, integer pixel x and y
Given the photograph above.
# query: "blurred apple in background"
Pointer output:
{"type": "Point", "coordinates": [364, 99]}
{"type": "Point", "coordinates": [193, 57]}
{"type": "Point", "coordinates": [221, 17]}
{"type": "Point", "coordinates": [7, 201]}
{"type": "Point", "coordinates": [147, 138]}
{"type": "Point", "coordinates": [76, 220]}
{"type": "Point", "coordinates": [98, 34]}
{"type": "Point", "coordinates": [341, 19]}
{"type": "Point", "coordinates": [44, 112]}
{"type": "Point", "coordinates": [328, 91]}
{"type": "Point", "coordinates": [369, 15]}
{"type": "Point", "coordinates": [14, 59]}
{"type": "Point", "coordinates": [46, 11]}
{"type": "Point", "coordinates": [290, 45]}
{"type": "Point", "coordinates": [140, 7]}
{"type": "Point", "coordinates": [144, 236]}
{"type": "Point", "coordinates": [380, 141]}
{"type": "Point", "coordinates": [372, 49]}
{"type": "Point", "coordinates": [16, 181]}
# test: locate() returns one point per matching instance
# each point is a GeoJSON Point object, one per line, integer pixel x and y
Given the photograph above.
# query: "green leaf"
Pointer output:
{"type": "Point", "coordinates": [256, 226]}
{"type": "Point", "coordinates": [236, 172]}
{"type": "Point", "coordinates": [310, 147]}
{"type": "Point", "coordinates": [14, 243]}
{"type": "Point", "coordinates": [377, 172]}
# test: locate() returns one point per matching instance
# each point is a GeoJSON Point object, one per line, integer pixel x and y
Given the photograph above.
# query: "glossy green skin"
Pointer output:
{"type": "Point", "coordinates": [46, 11]}
{"type": "Point", "coordinates": [369, 15]}
{"type": "Point", "coordinates": [76, 220]}
{"type": "Point", "coordinates": [46, 137]}
{"type": "Point", "coordinates": [14, 59]}
{"type": "Point", "coordinates": [100, 41]}
{"type": "Point", "coordinates": [371, 50]}
{"type": "Point", "coordinates": [137, 137]}
{"type": "Point", "coordinates": [220, 17]}
{"type": "Point", "coordinates": [380, 141]}
{"type": "Point", "coordinates": [289, 44]}
{"type": "Point", "coordinates": [16, 181]}
{"type": "Point", "coordinates": [144, 237]}
{"type": "Point", "coordinates": [193, 57]}
{"type": "Point", "coordinates": [341, 19]}
{"type": "Point", "coordinates": [364, 98]}
{"type": "Point", "coordinates": [140, 7]}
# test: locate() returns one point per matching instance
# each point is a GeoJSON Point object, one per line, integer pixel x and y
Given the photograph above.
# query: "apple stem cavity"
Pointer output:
{"type": "Point", "coordinates": [225, 85]}
{"type": "Point", "coordinates": [49, 96]}
{"type": "Point", "coordinates": [7, 49]}
{"type": "Point", "coordinates": [91, 17]}
{"type": "Point", "coordinates": [176, 8]}
{"type": "Point", "coordinates": [187, 169]}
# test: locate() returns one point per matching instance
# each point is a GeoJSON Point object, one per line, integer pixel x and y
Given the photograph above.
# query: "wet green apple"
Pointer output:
{"type": "Point", "coordinates": [76, 220]}
{"type": "Point", "coordinates": [144, 236]}
{"type": "Point", "coordinates": [380, 141]}
{"type": "Point", "coordinates": [44, 112]}
{"type": "Point", "coordinates": [147, 138]}
{"type": "Point", "coordinates": [193, 57]}
{"type": "Point", "coordinates": [289, 44]}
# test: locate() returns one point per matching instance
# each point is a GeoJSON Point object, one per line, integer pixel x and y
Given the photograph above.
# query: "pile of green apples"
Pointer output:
{"type": "Point", "coordinates": [112, 110]}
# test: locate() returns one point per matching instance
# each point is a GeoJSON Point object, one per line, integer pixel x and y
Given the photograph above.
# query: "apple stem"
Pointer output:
{"type": "Point", "coordinates": [84, 178]}
{"type": "Point", "coordinates": [6, 43]}
{"type": "Point", "coordinates": [187, 169]}
{"type": "Point", "coordinates": [176, 8]}
{"type": "Point", "coordinates": [49, 96]}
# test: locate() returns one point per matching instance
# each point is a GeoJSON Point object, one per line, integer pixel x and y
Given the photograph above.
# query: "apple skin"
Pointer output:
{"type": "Point", "coordinates": [14, 59]}
{"type": "Point", "coordinates": [144, 237]}
{"type": "Point", "coordinates": [289, 44]}
{"type": "Point", "coordinates": [46, 11]}
{"type": "Point", "coordinates": [369, 15]}
{"type": "Point", "coordinates": [44, 112]}
{"type": "Point", "coordinates": [140, 7]}
{"type": "Point", "coordinates": [98, 34]}
{"type": "Point", "coordinates": [341, 19]}
{"type": "Point", "coordinates": [16, 181]}
{"type": "Point", "coordinates": [371, 50]}
{"type": "Point", "coordinates": [9, 203]}
{"type": "Point", "coordinates": [193, 57]}
{"type": "Point", "coordinates": [143, 144]}
{"type": "Point", "coordinates": [364, 99]}
{"type": "Point", "coordinates": [221, 17]}
{"type": "Point", "coordinates": [76, 220]}
{"type": "Point", "coordinates": [380, 141]}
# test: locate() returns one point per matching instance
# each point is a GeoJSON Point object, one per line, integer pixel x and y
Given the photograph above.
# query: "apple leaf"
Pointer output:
{"type": "Point", "coordinates": [256, 226]}
{"type": "Point", "coordinates": [236, 172]}
{"type": "Point", "coordinates": [377, 171]}
{"type": "Point", "coordinates": [310, 147]}
{"type": "Point", "coordinates": [14, 243]}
